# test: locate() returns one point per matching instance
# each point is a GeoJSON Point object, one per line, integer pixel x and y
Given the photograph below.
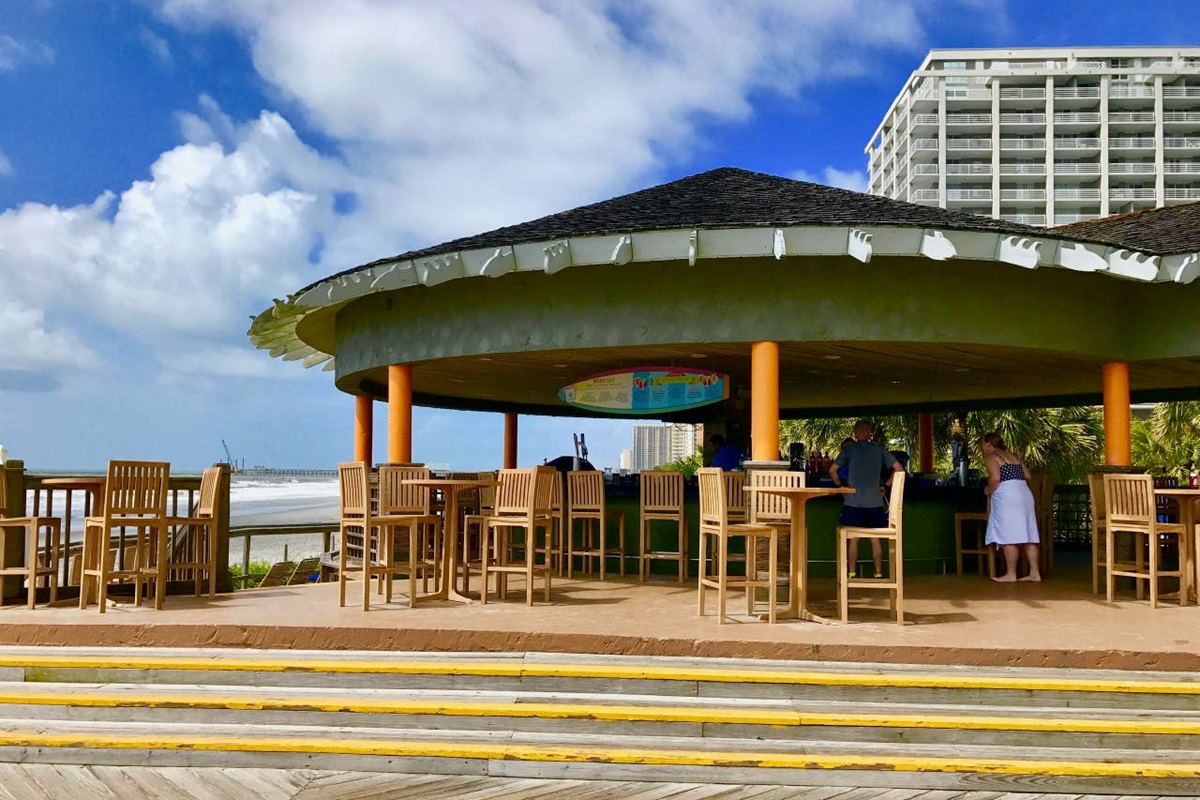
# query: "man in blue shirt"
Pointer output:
{"type": "Point", "coordinates": [726, 456]}
{"type": "Point", "coordinates": [865, 463]}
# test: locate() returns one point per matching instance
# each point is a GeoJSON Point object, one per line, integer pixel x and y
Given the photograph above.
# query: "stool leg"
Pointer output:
{"type": "Point", "coordinates": [722, 576]}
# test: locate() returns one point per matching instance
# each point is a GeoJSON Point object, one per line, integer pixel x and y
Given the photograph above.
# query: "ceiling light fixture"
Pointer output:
{"type": "Point", "coordinates": [699, 355]}
{"type": "Point", "coordinates": [559, 366]}
{"type": "Point", "coordinates": [832, 357]}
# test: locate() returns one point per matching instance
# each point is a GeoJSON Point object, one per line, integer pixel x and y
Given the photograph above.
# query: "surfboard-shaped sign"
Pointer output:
{"type": "Point", "coordinates": [646, 390]}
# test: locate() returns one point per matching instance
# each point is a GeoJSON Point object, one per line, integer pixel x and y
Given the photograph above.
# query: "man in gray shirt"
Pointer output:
{"type": "Point", "coordinates": [866, 463]}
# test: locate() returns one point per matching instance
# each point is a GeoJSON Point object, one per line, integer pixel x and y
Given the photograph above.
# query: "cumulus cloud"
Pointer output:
{"type": "Point", "coordinates": [185, 256]}
{"type": "Point", "coordinates": [14, 53]}
{"type": "Point", "coordinates": [26, 343]}
{"type": "Point", "coordinates": [853, 180]}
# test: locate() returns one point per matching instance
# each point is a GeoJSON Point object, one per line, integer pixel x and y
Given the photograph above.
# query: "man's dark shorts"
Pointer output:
{"type": "Point", "coordinates": [855, 517]}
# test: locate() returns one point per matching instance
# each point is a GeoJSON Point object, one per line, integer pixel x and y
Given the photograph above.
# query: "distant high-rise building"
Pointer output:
{"type": "Point", "coordinates": [626, 459]}
{"type": "Point", "coordinates": [655, 445]}
{"type": "Point", "coordinates": [1044, 136]}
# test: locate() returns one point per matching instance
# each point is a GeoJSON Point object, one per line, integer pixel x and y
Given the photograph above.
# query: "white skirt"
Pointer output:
{"type": "Point", "coordinates": [1013, 519]}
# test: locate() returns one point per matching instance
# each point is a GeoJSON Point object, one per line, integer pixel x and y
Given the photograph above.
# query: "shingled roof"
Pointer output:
{"type": "Point", "coordinates": [1158, 231]}
{"type": "Point", "coordinates": [722, 198]}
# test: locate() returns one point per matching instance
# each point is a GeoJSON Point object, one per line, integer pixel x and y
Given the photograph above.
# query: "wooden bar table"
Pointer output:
{"type": "Point", "coordinates": [1189, 543]}
{"type": "Point", "coordinates": [798, 578]}
{"type": "Point", "coordinates": [450, 488]}
{"type": "Point", "coordinates": [94, 486]}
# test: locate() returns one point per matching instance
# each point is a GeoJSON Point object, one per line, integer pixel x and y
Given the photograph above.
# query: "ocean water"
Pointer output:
{"type": "Point", "coordinates": [253, 500]}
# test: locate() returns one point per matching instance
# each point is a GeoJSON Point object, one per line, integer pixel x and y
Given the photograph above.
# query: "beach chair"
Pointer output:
{"type": "Point", "coordinates": [585, 494]}
{"type": "Point", "coordinates": [135, 497]}
{"type": "Point", "coordinates": [199, 548]}
{"type": "Point", "coordinates": [279, 574]}
{"type": "Point", "coordinates": [715, 534]}
{"type": "Point", "coordinates": [893, 534]}
{"type": "Point", "coordinates": [40, 561]}
{"type": "Point", "coordinates": [662, 500]}
{"type": "Point", "coordinates": [522, 502]}
{"type": "Point", "coordinates": [305, 571]}
{"type": "Point", "coordinates": [1132, 510]}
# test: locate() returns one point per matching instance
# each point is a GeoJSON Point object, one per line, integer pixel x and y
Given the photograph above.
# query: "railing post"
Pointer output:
{"type": "Point", "coordinates": [14, 546]}
{"type": "Point", "coordinates": [221, 512]}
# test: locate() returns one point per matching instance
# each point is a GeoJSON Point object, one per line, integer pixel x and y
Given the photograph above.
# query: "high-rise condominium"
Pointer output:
{"type": "Point", "coordinates": [1044, 136]}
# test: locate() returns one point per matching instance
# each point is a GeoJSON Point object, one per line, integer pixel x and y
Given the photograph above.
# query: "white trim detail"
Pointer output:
{"type": "Point", "coordinates": [779, 244]}
{"type": "Point", "coordinates": [622, 253]}
{"type": "Point", "coordinates": [556, 256]}
{"type": "Point", "coordinates": [935, 245]}
{"type": "Point", "coordinates": [1129, 264]}
{"type": "Point", "coordinates": [1020, 251]}
{"type": "Point", "coordinates": [500, 262]}
{"type": "Point", "coordinates": [439, 269]}
{"type": "Point", "coordinates": [858, 245]}
{"type": "Point", "coordinates": [1183, 268]}
{"type": "Point", "coordinates": [693, 247]}
{"type": "Point", "coordinates": [1079, 257]}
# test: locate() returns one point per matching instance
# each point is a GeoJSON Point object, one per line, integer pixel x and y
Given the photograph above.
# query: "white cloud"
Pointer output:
{"type": "Point", "coordinates": [853, 180]}
{"type": "Point", "coordinates": [181, 259]}
{"type": "Point", "coordinates": [26, 344]}
{"type": "Point", "coordinates": [6, 167]}
{"type": "Point", "coordinates": [157, 46]}
{"type": "Point", "coordinates": [13, 54]}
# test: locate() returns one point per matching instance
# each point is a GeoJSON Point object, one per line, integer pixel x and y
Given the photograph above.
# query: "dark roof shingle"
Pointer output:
{"type": "Point", "coordinates": [1160, 231]}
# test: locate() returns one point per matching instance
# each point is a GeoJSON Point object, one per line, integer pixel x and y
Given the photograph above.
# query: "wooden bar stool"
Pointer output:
{"type": "Point", "coordinates": [197, 552]}
{"type": "Point", "coordinates": [41, 561]}
{"type": "Point", "coordinates": [771, 509]}
{"type": "Point", "coordinates": [1099, 528]}
{"type": "Point", "coordinates": [715, 535]}
{"type": "Point", "coordinates": [893, 534]}
{"type": "Point", "coordinates": [411, 523]}
{"type": "Point", "coordinates": [585, 496]}
{"type": "Point", "coordinates": [662, 500]}
{"type": "Point", "coordinates": [522, 502]}
{"type": "Point", "coordinates": [978, 548]}
{"type": "Point", "coordinates": [1132, 510]}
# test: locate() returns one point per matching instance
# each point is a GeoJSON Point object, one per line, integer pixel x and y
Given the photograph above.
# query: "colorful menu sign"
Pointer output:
{"type": "Point", "coordinates": [646, 390]}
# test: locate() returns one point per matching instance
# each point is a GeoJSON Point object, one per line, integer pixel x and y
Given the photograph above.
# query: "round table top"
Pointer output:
{"type": "Point", "coordinates": [446, 482]}
{"type": "Point", "coordinates": [79, 482]}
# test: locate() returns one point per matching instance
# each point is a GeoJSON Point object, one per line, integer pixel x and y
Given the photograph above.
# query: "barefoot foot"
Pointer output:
{"type": "Point", "coordinates": [1032, 578]}
{"type": "Point", "coordinates": [1006, 579]}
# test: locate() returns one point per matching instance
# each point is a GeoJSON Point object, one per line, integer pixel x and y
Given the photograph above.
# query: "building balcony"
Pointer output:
{"type": "Point", "coordinates": [969, 144]}
{"type": "Point", "coordinates": [1022, 169]}
{"type": "Point", "coordinates": [1076, 118]}
{"type": "Point", "coordinates": [925, 144]}
{"type": "Point", "coordinates": [1023, 93]}
{"type": "Point", "coordinates": [1118, 193]}
{"type": "Point", "coordinates": [968, 119]}
{"type": "Point", "coordinates": [1022, 144]}
{"type": "Point", "coordinates": [1177, 92]}
{"type": "Point", "coordinates": [969, 195]}
{"type": "Point", "coordinates": [1076, 143]}
{"type": "Point", "coordinates": [1025, 219]}
{"type": "Point", "coordinates": [1022, 194]}
{"type": "Point", "coordinates": [925, 195]}
{"type": "Point", "coordinates": [925, 169]}
{"type": "Point", "coordinates": [1067, 219]}
{"type": "Point", "coordinates": [1022, 119]}
{"type": "Point", "coordinates": [1121, 92]}
{"type": "Point", "coordinates": [1180, 116]}
{"type": "Point", "coordinates": [924, 119]}
{"type": "Point", "coordinates": [969, 169]}
{"type": "Point", "coordinates": [1076, 194]}
{"type": "Point", "coordinates": [1076, 92]}
{"type": "Point", "coordinates": [1131, 168]}
{"type": "Point", "coordinates": [1181, 168]}
{"type": "Point", "coordinates": [960, 92]}
{"type": "Point", "coordinates": [1076, 169]}
{"type": "Point", "coordinates": [1181, 193]}
{"type": "Point", "coordinates": [1131, 117]}
{"type": "Point", "coordinates": [1182, 142]}
{"type": "Point", "coordinates": [1131, 143]}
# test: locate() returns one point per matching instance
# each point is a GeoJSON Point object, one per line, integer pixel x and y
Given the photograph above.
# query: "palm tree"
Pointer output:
{"type": "Point", "coordinates": [1169, 440]}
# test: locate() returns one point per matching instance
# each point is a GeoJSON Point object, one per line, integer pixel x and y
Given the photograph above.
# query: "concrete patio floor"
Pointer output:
{"type": "Point", "coordinates": [949, 620]}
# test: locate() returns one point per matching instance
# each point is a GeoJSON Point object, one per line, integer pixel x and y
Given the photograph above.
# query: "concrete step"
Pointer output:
{"type": "Point", "coordinates": [615, 715]}
{"type": "Point", "coordinates": [625, 675]}
{"type": "Point", "coordinates": [1084, 770]}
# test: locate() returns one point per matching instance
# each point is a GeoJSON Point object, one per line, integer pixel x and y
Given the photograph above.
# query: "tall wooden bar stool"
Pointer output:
{"type": "Point", "coordinates": [984, 555]}
{"type": "Point", "coordinates": [893, 534]}
{"type": "Point", "coordinates": [1099, 528]}
{"type": "Point", "coordinates": [196, 552]}
{"type": "Point", "coordinates": [585, 505]}
{"type": "Point", "coordinates": [412, 537]}
{"type": "Point", "coordinates": [1132, 510]}
{"type": "Point", "coordinates": [472, 530]}
{"type": "Point", "coordinates": [715, 534]}
{"type": "Point", "coordinates": [135, 496]}
{"type": "Point", "coordinates": [773, 510]}
{"type": "Point", "coordinates": [662, 500]}
{"type": "Point", "coordinates": [522, 502]}
{"type": "Point", "coordinates": [41, 561]}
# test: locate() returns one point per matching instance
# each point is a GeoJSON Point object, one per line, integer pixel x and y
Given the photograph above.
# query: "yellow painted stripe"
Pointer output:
{"type": "Point", "coordinates": [522, 669]}
{"type": "Point", "coordinates": [514, 752]}
{"type": "Point", "coordinates": [612, 713]}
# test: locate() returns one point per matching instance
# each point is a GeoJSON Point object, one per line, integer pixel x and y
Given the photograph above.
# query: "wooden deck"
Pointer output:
{"type": "Point", "coordinates": [58, 782]}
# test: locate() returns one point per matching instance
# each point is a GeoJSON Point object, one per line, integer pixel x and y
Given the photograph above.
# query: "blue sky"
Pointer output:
{"type": "Point", "coordinates": [167, 167]}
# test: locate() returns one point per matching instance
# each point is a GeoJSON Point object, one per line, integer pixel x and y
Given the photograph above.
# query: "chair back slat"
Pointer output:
{"type": "Point", "coordinates": [770, 508]}
{"type": "Point", "coordinates": [513, 495]}
{"type": "Point", "coordinates": [206, 505]}
{"type": "Point", "coordinates": [661, 491]}
{"type": "Point", "coordinates": [735, 494]}
{"type": "Point", "coordinates": [556, 493]}
{"type": "Point", "coordinates": [547, 487]}
{"type": "Point", "coordinates": [712, 497]}
{"type": "Point", "coordinates": [487, 494]}
{"type": "Point", "coordinates": [395, 497]}
{"type": "Point", "coordinates": [136, 489]}
{"type": "Point", "coordinates": [585, 490]}
{"type": "Point", "coordinates": [355, 488]}
{"type": "Point", "coordinates": [896, 501]}
{"type": "Point", "coordinates": [1129, 500]}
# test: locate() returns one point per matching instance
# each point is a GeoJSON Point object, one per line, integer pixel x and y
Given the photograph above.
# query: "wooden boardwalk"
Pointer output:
{"type": "Point", "coordinates": [63, 782]}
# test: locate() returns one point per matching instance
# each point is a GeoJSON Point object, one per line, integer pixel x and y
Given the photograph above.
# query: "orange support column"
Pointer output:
{"type": "Point", "coordinates": [925, 441]}
{"type": "Point", "coordinates": [400, 414]}
{"type": "Point", "coordinates": [1117, 451]}
{"type": "Point", "coordinates": [764, 401]}
{"type": "Point", "coordinates": [510, 440]}
{"type": "Point", "coordinates": [364, 429]}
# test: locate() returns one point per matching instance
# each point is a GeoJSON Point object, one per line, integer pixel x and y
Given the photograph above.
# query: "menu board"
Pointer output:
{"type": "Point", "coordinates": [646, 390]}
